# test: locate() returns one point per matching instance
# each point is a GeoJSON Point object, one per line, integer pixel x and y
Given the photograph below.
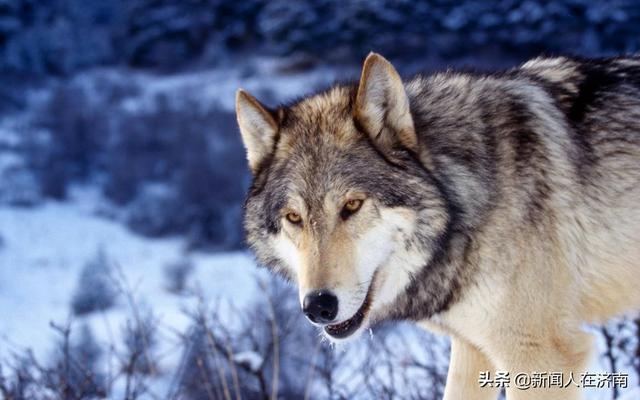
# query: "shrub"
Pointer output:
{"type": "Point", "coordinates": [74, 373]}
{"type": "Point", "coordinates": [155, 211]}
{"type": "Point", "coordinates": [140, 343]}
{"type": "Point", "coordinates": [177, 274]}
{"type": "Point", "coordinates": [19, 187]}
{"type": "Point", "coordinates": [194, 157]}
{"type": "Point", "coordinates": [96, 289]}
{"type": "Point", "coordinates": [175, 164]}
{"type": "Point", "coordinates": [75, 130]}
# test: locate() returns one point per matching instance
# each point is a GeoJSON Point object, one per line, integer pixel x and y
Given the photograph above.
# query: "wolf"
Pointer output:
{"type": "Point", "coordinates": [502, 209]}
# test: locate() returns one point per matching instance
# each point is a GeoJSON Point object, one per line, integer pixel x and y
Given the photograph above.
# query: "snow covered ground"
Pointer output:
{"type": "Point", "coordinates": [45, 248]}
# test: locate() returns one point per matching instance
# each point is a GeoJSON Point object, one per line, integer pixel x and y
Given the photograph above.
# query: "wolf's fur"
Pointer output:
{"type": "Point", "coordinates": [502, 209]}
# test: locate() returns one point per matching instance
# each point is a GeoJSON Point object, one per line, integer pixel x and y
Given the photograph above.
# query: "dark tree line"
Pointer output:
{"type": "Point", "coordinates": [64, 36]}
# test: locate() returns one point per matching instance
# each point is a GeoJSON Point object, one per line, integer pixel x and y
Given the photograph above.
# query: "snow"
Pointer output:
{"type": "Point", "coordinates": [633, 394]}
{"type": "Point", "coordinates": [45, 248]}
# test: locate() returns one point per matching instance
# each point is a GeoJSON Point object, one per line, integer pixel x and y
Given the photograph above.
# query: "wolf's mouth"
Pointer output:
{"type": "Point", "coordinates": [348, 327]}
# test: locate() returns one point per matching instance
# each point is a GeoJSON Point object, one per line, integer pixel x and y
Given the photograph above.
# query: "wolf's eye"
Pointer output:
{"type": "Point", "coordinates": [294, 218]}
{"type": "Point", "coordinates": [350, 208]}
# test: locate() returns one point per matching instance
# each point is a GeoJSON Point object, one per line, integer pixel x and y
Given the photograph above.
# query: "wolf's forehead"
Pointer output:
{"type": "Point", "coordinates": [327, 115]}
{"type": "Point", "coordinates": [317, 173]}
{"type": "Point", "coordinates": [321, 175]}
{"type": "Point", "coordinates": [320, 150]}
{"type": "Point", "coordinates": [337, 99]}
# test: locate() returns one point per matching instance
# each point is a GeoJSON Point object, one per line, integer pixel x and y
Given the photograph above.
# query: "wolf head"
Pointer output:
{"type": "Point", "coordinates": [341, 202]}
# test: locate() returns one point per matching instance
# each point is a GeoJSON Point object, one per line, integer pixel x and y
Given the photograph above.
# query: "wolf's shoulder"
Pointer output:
{"type": "Point", "coordinates": [584, 80]}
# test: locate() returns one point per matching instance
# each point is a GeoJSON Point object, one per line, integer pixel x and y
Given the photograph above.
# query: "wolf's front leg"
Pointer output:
{"type": "Point", "coordinates": [566, 354]}
{"type": "Point", "coordinates": [465, 367]}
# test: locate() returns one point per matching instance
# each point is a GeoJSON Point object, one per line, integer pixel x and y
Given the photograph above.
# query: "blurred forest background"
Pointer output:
{"type": "Point", "coordinates": [122, 176]}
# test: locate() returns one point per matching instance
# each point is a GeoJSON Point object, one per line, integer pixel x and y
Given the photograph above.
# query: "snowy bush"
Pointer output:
{"type": "Point", "coordinates": [177, 274]}
{"type": "Point", "coordinates": [16, 381]}
{"type": "Point", "coordinates": [197, 155]}
{"type": "Point", "coordinates": [75, 371]}
{"type": "Point", "coordinates": [162, 32]}
{"type": "Point", "coordinates": [155, 211]}
{"type": "Point", "coordinates": [445, 31]}
{"type": "Point", "coordinates": [58, 36]}
{"type": "Point", "coordinates": [269, 348]}
{"type": "Point", "coordinates": [75, 131]}
{"type": "Point", "coordinates": [95, 290]}
{"type": "Point", "coordinates": [140, 341]}
{"type": "Point", "coordinates": [176, 166]}
{"type": "Point", "coordinates": [198, 367]}
{"type": "Point", "coordinates": [250, 361]}
{"type": "Point", "coordinates": [13, 90]}
{"type": "Point", "coordinates": [19, 187]}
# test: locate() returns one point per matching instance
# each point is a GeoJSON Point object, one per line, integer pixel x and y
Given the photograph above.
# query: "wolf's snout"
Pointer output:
{"type": "Point", "coordinates": [320, 307]}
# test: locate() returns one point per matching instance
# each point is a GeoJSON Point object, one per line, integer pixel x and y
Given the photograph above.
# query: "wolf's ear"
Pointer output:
{"type": "Point", "coordinates": [382, 105]}
{"type": "Point", "coordinates": [258, 128]}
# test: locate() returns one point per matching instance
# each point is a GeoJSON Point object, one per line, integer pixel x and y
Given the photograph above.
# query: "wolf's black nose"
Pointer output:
{"type": "Point", "coordinates": [320, 307]}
